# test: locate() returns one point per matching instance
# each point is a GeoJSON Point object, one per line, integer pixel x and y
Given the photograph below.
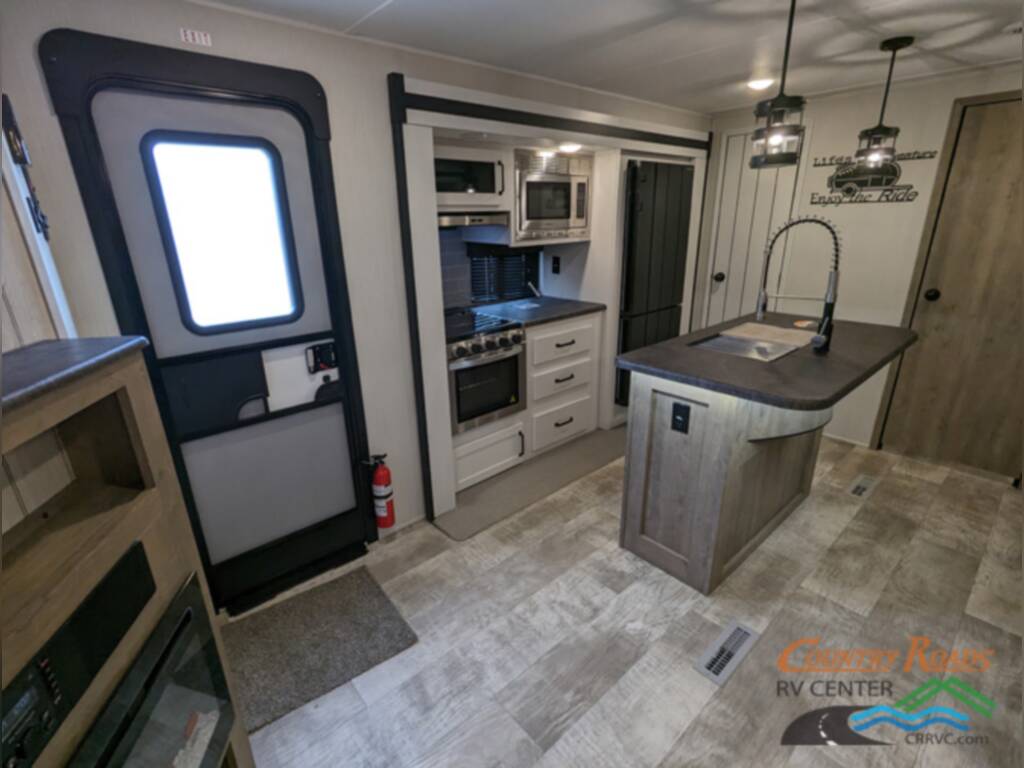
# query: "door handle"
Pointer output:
{"type": "Point", "coordinates": [522, 443]}
{"type": "Point", "coordinates": [718, 277]}
{"type": "Point", "coordinates": [932, 294]}
{"type": "Point", "coordinates": [564, 379]}
{"type": "Point", "coordinates": [565, 344]}
{"type": "Point", "coordinates": [564, 423]}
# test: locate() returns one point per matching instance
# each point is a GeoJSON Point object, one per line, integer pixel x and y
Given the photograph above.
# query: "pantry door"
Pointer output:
{"type": "Point", "coordinates": [957, 395]}
{"type": "Point", "coordinates": [227, 264]}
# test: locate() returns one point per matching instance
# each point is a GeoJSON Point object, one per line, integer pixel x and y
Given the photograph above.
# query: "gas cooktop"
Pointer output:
{"type": "Point", "coordinates": [461, 324]}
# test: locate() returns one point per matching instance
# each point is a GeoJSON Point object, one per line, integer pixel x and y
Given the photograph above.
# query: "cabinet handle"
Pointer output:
{"type": "Point", "coordinates": [570, 377]}
{"type": "Point", "coordinates": [564, 423]}
{"type": "Point", "coordinates": [565, 344]}
{"type": "Point", "coordinates": [522, 443]}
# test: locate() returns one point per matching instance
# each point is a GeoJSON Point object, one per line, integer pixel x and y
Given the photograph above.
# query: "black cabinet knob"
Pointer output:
{"type": "Point", "coordinates": [718, 277]}
{"type": "Point", "coordinates": [932, 294]}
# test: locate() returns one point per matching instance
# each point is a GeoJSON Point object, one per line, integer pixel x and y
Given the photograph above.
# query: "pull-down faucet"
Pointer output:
{"type": "Point", "coordinates": [821, 341]}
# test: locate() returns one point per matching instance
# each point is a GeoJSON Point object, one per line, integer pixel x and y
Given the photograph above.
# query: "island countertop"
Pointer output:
{"type": "Point", "coordinates": [801, 380]}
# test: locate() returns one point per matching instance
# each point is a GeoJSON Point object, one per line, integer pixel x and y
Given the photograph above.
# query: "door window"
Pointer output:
{"type": "Point", "coordinates": [223, 215]}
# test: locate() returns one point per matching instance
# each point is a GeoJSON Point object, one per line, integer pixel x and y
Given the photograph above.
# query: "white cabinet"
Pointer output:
{"type": "Point", "coordinates": [485, 456]}
{"type": "Point", "coordinates": [560, 422]}
{"type": "Point", "coordinates": [471, 178]}
{"type": "Point", "coordinates": [562, 381]}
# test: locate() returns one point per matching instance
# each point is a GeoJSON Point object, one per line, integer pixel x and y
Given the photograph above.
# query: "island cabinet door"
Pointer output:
{"type": "Point", "coordinates": [668, 504]}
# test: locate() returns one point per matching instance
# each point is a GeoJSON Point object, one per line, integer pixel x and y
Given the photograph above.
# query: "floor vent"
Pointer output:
{"type": "Point", "coordinates": [862, 486]}
{"type": "Point", "coordinates": [721, 659]}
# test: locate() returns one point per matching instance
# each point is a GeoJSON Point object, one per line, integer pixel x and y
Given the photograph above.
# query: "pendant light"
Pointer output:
{"type": "Point", "coordinates": [777, 143]}
{"type": "Point", "coordinates": [877, 145]}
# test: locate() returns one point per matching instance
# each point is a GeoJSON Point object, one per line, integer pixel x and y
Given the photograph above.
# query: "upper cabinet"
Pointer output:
{"type": "Point", "coordinates": [471, 178]}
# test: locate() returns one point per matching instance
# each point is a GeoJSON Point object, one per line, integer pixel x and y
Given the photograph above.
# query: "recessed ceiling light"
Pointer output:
{"type": "Point", "coordinates": [545, 153]}
{"type": "Point", "coordinates": [569, 147]}
{"type": "Point", "coordinates": [760, 85]}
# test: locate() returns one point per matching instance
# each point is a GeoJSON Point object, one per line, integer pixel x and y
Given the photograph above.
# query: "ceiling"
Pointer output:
{"type": "Point", "coordinates": [695, 54]}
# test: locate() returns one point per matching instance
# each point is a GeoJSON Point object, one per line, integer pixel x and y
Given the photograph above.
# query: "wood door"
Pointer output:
{"type": "Point", "coordinates": [957, 395]}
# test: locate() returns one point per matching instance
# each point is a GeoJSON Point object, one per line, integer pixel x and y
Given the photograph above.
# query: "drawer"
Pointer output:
{"type": "Point", "coordinates": [561, 379]}
{"type": "Point", "coordinates": [485, 457]}
{"type": "Point", "coordinates": [557, 424]}
{"type": "Point", "coordinates": [564, 342]}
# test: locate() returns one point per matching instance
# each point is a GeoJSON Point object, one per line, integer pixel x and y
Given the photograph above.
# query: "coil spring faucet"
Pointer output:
{"type": "Point", "coordinates": [823, 338]}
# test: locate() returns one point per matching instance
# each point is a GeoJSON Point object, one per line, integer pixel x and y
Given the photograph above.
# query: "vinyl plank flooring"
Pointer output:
{"type": "Point", "coordinates": [405, 550]}
{"type": "Point", "coordinates": [490, 739]}
{"type": "Point", "coordinates": [1001, 683]}
{"type": "Point", "coordinates": [564, 683]}
{"type": "Point", "coordinates": [542, 643]}
{"type": "Point", "coordinates": [287, 740]}
{"type": "Point", "coordinates": [638, 719]}
{"type": "Point", "coordinates": [998, 593]}
{"type": "Point", "coordinates": [859, 461]}
{"type": "Point", "coordinates": [856, 568]}
{"type": "Point", "coordinates": [743, 724]}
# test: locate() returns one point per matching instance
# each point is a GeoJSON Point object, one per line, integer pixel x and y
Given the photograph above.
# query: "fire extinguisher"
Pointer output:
{"type": "Point", "coordinates": [383, 495]}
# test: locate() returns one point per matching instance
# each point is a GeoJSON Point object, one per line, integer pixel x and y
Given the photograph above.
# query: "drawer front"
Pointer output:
{"type": "Point", "coordinates": [561, 379]}
{"type": "Point", "coordinates": [557, 424]}
{"type": "Point", "coordinates": [554, 345]}
{"type": "Point", "coordinates": [480, 459]}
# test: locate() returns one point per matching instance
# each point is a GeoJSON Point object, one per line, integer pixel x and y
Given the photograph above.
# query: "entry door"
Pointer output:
{"type": "Point", "coordinates": [957, 395]}
{"type": "Point", "coordinates": [208, 187]}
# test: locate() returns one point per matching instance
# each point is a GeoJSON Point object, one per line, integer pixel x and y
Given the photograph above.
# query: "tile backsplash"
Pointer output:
{"type": "Point", "coordinates": [455, 270]}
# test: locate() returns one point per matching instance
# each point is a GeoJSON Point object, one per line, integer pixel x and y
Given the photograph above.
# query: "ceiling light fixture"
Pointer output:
{"type": "Point", "coordinates": [877, 145]}
{"type": "Point", "coordinates": [569, 147]}
{"type": "Point", "coordinates": [777, 143]}
{"type": "Point", "coordinates": [761, 85]}
{"type": "Point", "coordinates": [545, 153]}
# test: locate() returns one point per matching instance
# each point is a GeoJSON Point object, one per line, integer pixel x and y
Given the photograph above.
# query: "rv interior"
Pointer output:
{"type": "Point", "coordinates": [411, 383]}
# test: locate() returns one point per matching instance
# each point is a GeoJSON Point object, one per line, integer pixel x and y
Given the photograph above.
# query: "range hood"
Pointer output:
{"type": "Point", "coordinates": [495, 219]}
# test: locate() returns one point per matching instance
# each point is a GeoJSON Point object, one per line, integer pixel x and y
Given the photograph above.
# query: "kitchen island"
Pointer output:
{"type": "Point", "coordinates": [724, 432]}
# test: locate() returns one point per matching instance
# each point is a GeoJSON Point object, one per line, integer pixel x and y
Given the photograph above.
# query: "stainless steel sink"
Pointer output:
{"type": "Point", "coordinates": [754, 349]}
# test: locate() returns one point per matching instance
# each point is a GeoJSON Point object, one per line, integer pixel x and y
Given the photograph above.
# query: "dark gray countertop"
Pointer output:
{"type": "Point", "coordinates": [543, 309]}
{"type": "Point", "coordinates": [31, 371]}
{"type": "Point", "coordinates": [802, 380]}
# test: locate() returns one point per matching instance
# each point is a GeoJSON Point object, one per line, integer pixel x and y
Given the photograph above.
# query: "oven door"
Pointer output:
{"type": "Point", "coordinates": [173, 706]}
{"type": "Point", "coordinates": [545, 202]}
{"type": "Point", "coordinates": [486, 387]}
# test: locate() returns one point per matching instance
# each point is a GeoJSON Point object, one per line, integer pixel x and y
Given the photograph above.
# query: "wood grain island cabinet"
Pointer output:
{"type": "Point", "coordinates": [721, 448]}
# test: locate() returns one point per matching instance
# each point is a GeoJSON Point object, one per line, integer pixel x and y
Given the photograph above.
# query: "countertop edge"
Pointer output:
{"type": "Point", "coordinates": [18, 398]}
{"type": "Point", "coordinates": [758, 396]}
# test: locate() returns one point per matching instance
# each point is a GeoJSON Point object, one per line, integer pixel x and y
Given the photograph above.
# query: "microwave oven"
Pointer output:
{"type": "Point", "coordinates": [466, 178]}
{"type": "Point", "coordinates": [552, 196]}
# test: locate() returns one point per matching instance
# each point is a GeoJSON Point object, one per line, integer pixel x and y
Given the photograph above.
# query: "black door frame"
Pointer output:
{"type": "Point", "coordinates": [78, 65]}
{"type": "Point", "coordinates": [401, 101]}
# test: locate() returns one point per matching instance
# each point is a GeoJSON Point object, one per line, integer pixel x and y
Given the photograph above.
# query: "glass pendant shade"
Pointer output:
{"type": "Point", "coordinates": [876, 146]}
{"type": "Point", "coordinates": [778, 141]}
{"type": "Point", "coordinates": [779, 136]}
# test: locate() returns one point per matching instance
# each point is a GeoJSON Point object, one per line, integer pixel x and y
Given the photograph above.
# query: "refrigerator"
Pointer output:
{"type": "Point", "coordinates": [657, 230]}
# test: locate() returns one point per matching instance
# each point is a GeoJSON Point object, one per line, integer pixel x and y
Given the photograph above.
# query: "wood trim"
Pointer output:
{"type": "Point", "coordinates": [927, 239]}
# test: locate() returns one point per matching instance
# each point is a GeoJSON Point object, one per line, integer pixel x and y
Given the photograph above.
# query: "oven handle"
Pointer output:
{"type": "Point", "coordinates": [484, 358]}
